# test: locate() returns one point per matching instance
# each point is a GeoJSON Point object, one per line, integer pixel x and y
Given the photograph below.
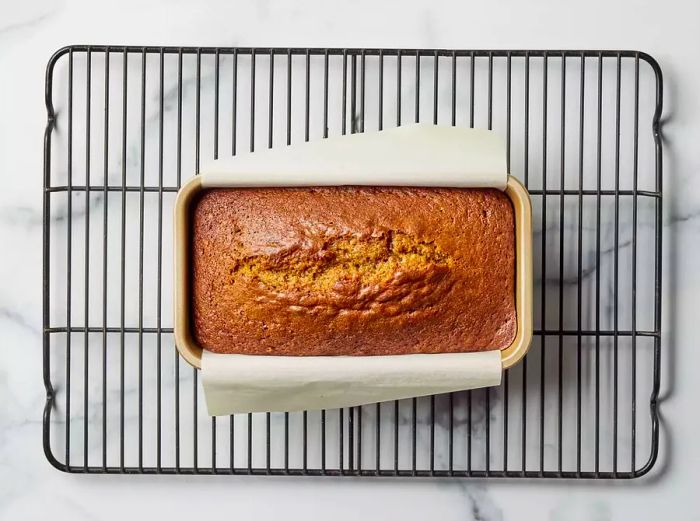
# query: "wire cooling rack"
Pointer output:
{"type": "Point", "coordinates": [127, 124]}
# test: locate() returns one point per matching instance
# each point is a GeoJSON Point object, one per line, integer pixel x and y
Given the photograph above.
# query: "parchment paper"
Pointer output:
{"type": "Point", "coordinates": [246, 383]}
{"type": "Point", "coordinates": [414, 155]}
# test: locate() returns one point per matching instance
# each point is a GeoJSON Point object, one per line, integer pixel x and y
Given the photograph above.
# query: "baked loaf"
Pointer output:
{"type": "Point", "coordinates": [353, 270]}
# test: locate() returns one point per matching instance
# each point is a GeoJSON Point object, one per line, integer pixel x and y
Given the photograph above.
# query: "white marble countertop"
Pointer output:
{"type": "Point", "coordinates": [31, 31]}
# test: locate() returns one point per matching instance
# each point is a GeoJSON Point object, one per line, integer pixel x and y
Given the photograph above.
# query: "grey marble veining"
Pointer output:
{"type": "Point", "coordinates": [29, 488]}
{"type": "Point", "coordinates": [22, 24]}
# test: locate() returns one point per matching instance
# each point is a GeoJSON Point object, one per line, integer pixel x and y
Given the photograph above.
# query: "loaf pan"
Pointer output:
{"type": "Point", "coordinates": [190, 351]}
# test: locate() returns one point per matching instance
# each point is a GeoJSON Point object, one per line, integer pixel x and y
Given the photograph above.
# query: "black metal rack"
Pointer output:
{"type": "Point", "coordinates": [127, 124]}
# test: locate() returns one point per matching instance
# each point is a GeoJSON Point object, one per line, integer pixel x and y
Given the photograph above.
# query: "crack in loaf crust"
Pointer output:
{"type": "Point", "coordinates": [353, 270]}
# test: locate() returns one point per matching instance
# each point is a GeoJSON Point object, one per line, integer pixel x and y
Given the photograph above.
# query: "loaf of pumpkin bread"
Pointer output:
{"type": "Point", "coordinates": [352, 270]}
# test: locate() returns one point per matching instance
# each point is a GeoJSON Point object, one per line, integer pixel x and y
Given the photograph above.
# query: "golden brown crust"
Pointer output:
{"type": "Point", "coordinates": [353, 270]}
